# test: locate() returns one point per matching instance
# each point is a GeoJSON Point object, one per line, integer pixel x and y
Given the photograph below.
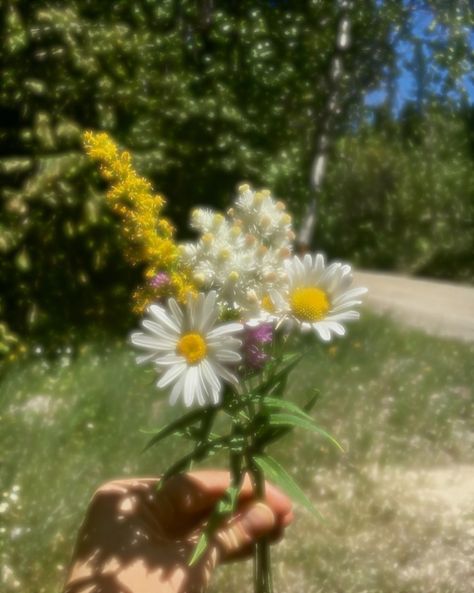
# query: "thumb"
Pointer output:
{"type": "Point", "coordinates": [236, 538]}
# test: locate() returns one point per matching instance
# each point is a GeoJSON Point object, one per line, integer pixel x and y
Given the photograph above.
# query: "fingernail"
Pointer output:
{"type": "Point", "coordinates": [258, 520]}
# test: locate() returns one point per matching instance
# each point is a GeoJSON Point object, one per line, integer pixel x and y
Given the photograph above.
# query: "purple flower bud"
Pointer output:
{"type": "Point", "coordinates": [262, 334]}
{"type": "Point", "coordinates": [160, 280]}
{"type": "Point", "coordinates": [253, 348]}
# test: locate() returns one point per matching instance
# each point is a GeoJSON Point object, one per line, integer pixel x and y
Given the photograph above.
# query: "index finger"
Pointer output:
{"type": "Point", "coordinates": [195, 493]}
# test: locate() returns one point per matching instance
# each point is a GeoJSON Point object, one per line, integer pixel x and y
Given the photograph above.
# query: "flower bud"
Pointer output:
{"type": "Point", "coordinates": [224, 254]}
{"type": "Point", "coordinates": [200, 279]}
{"type": "Point", "coordinates": [217, 220]}
{"type": "Point", "coordinates": [252, 296]}
{"type": "Point", "coordinates": [235, 231]}
{"type": "Point", "coordinates": [208, 239]}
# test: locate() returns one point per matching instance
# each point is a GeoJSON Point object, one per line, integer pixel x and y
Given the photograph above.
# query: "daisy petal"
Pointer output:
{"type": "Point", "coordinates": [345, 305]}
{"type": "Point", "coordinates": [335, 327]}
{"type": "Point", "coordinates": [162, 316]}
{"type": "Point", "coordinates": [224, 373]}
{"type": "Point", "coordinates": [145, 358]}
{"type": "Point", "coordinates": [344, 316]}
{"type": "Point", "coordinates": [177, 390]}
{"type": "Point", "coordinates": [171, 375]}
{"type": "Point", "coordinates": [158, 330]}
{"type": "Point", "coordinates": [169, 359]}
{"type": "Point", "coordinates": [350, 294]}
{"type": "Point", "coordinates": [190, 385]}
{"type": "Point", "coordinates": [199, 387]}
{"type": "Point", "coordinates": [176, 311]}
{"type": "Point", "coordinates": [228, 356]}
{"type": "Point", "coordinates": [223, 330]}
{"type": "Point", "coordinates": [308, 263]}
{"type": "Point", "coordinates": [143, 341]}
{"type": "Point", "coordinates": [210, 376]}
{"type": "Point", "coordinates": [323, 331]}
{"type": "Point", "coordinates": [209, 312]}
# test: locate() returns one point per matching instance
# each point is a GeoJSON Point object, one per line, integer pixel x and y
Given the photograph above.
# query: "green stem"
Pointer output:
{"type": "Point", "coordinates": [262, 562]}
{"type": "Point", "coordinates": [262, 569]}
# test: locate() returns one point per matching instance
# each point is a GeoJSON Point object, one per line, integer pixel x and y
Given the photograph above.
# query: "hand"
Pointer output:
{"type": "Point", "coordinates": [136, 539]}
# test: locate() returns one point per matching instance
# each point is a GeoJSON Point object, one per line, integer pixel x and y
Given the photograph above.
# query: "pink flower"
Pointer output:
{"type": "Point", "coordinates": [253, 347]}
{"type": "Point", "coordinates": [160, 280]}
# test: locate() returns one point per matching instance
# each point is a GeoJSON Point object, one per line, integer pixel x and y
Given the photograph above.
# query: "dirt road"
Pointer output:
{"type": "Point", "coordinates": [439, 308]}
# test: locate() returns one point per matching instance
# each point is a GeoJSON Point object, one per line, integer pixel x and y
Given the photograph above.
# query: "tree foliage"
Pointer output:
{"type": "Point", "coordinates": [204, 94]}
{"type": "Point", "coordinates": [400, 196]}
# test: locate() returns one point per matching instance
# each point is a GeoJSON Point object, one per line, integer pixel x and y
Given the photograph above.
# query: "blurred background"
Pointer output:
{"type": "Point", "coordinates": [360, 114]}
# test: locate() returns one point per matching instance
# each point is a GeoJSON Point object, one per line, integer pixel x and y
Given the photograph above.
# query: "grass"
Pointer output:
{"type": "Point", "coordinates": [395, 518]}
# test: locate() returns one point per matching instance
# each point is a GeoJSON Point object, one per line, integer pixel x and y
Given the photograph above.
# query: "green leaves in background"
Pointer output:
{"type": "Point", "coordinates": [205, 96]}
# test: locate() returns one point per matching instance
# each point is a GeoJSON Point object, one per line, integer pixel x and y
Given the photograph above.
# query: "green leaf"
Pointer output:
{"type": "Point", "coordinates": [223, 509]}
{"type": "Point", "coordinates": [227, 503]}
{"type": "Point", "coordinates": [175, 427]}
{"type": "Point", "coordinates": [199, 549]}
{"type": "Point", "coordinates": [281, 374]}
{"type": "Point", "coordinates": [309, 405]}
{"type": "Point", "coordinates": [277, 474]}
{"type": "Point", "coordinates": [274, 433]}
{"type": "Point", "coordinates": [289, 363]}
{"type": "Point", "coordinates": [197, 454]}
{"type": "Point", "coordinates": [301, 422]}
{"type": "Point", "coordinates": [275, 402]}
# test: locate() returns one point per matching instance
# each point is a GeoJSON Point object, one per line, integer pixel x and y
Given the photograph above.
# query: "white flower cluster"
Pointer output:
{"type": "Point", "coordinates": [244, 267]}
{"type": "Point", "coordinates": [241, 255]}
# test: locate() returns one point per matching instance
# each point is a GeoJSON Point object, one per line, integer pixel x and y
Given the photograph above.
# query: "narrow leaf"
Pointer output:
{"type": "Point", "coordinates": [291, 420]}
{"type": "Point", "coordinates": [277, 474]}
{"type": "Point", "coordinates": [199, 549]}
{"type": "Point", "coordinates": [309, 405]}
{"type": "Point", "coordinates": [197, 454]}
{"type": "Point", "coordinates": [281, 373]}
{"type": "Point", "coordinates": [175, 427]}
{"type": "Point", "coordinates": [275, 402]}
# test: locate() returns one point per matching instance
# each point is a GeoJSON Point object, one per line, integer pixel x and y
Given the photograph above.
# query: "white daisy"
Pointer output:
{"type": "Point", "coordinates": [191, 353]}
{"type": "Point", "coordinates": [318, 297]}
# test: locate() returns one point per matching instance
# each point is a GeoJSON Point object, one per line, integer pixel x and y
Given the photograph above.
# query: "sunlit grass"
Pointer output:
{"type": "Point", "coordinates": [400, 402]}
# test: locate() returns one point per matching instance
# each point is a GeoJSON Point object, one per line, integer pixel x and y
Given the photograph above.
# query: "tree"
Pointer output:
{"type": "Point", "coordinates": [405, 196]}
{"type": "Point", "coordinates": [204, 94]}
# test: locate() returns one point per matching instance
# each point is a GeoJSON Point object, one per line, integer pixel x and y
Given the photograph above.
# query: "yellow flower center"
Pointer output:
{"type": "Point", "coordinates": [193, 347]}
{"type": "Point", "coordinates": [309, 303]}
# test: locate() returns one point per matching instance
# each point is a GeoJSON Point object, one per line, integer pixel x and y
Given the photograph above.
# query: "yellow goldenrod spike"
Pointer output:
{"type": "Point", "coordinates": [151, 236]}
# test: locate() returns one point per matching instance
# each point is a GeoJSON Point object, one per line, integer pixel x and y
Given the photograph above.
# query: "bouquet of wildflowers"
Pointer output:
{"type": "Point", "coordinates": [221, 326]}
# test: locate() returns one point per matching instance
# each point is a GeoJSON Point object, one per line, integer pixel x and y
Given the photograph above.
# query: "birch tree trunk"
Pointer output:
{"type": "Point", "coordinates": [332, 108]}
